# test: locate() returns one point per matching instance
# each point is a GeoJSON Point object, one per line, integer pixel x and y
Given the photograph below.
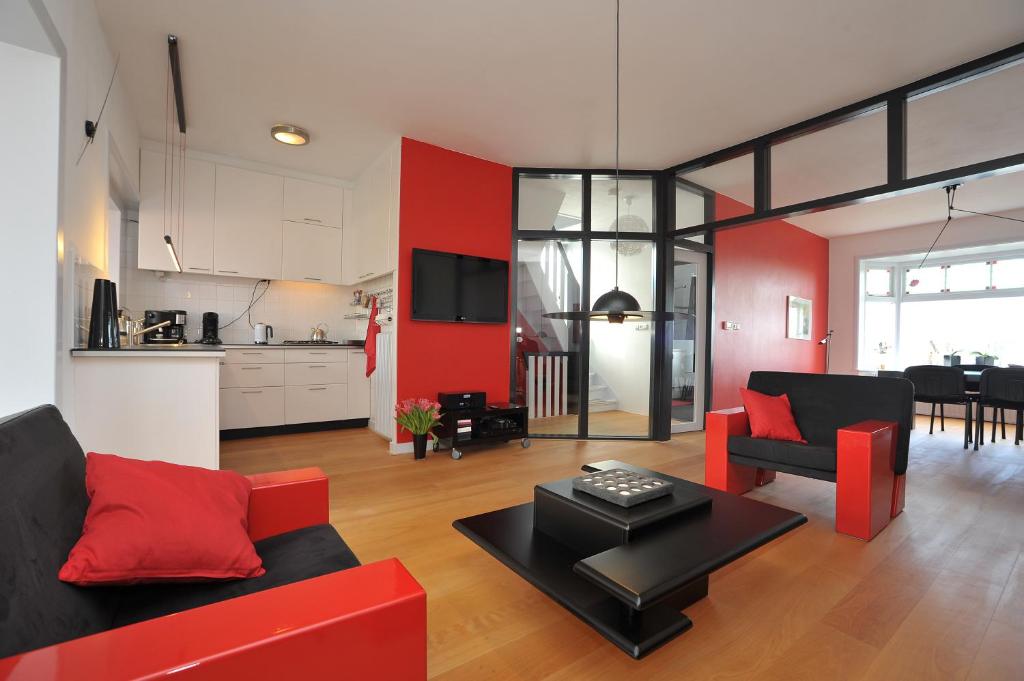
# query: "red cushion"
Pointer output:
{"type": "Point", "coordinates": [152, 521]}
{"type": "Point", "coordinates": [770, 417]}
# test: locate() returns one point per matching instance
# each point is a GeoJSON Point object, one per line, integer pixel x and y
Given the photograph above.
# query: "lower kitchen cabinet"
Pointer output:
{"type": "Point", "coordinates": [358, 386]}
{"type": "Point", "coordinates": [314, 403]}
{"type": "Point", "coordinates": [251, 407]}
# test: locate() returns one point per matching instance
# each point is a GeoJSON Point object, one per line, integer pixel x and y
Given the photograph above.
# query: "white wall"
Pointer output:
{"type": "Point", "coordinates": [29, 182]}
{"type": "Point", "coordinates": [845, 254]}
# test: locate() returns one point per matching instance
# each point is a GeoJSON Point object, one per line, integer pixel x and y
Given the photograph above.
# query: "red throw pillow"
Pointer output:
{"type": "Point", "coordinates": [770, 417]}
{"type": "Point", "coordinates": [152, 521]}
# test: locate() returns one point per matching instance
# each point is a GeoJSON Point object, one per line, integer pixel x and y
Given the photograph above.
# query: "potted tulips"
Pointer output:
{"type": "Point", "coordinates": [419, 417]}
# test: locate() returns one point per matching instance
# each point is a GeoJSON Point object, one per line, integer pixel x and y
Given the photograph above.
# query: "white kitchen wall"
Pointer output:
{"type": "Point", "coordinates": [290, 307]}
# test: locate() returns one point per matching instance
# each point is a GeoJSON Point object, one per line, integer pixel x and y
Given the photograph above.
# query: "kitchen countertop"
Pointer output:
{"type": "Point", "coordinates": [349, 346]}
{"type": "Point", "coordinates": [152, 351]}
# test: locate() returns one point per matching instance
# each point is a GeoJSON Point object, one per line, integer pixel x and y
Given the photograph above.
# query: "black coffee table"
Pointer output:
{"type": "Point", "coordinates": [627, 572]}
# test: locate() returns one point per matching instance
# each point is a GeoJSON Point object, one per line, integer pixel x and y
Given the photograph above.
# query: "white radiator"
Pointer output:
{"type": "Point", "coordinates": [546, 385]}
{"type": "Point", "coordinates": [382, 412]}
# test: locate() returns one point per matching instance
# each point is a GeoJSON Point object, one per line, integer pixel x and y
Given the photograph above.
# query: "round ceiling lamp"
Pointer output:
{"type": "Point", "coordinates": [291, 135]}
{"type": "Point", "coordinates": [615, 306]}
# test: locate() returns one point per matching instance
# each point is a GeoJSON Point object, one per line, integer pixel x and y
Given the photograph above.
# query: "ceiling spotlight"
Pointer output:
{"type": "Point", "coordinates": [289, 134]}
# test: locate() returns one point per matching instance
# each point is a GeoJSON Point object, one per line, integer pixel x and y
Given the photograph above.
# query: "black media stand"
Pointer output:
{"type": "Point", "coordinates": [462, 428]}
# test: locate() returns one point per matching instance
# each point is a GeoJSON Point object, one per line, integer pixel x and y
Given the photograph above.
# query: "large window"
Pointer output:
{"type": "Point", "coordinates": [966, 307]}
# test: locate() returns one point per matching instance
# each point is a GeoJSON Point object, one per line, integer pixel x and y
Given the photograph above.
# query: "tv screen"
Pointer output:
{"type": "Point", "coordinates": [449, 287]}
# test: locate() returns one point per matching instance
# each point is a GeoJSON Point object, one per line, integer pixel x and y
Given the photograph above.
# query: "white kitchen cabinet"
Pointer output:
{"type": "Point", "coordinates": [315, 373]}
{"type": "Point", "coordinates": [254, 355]}
{"type": "Point", "coordinates": [358, 386]}
{"type": "Point", "coordinates": [315, 354]}
{"type": "Point", "coordinates": [251, 407]}
{"type": "Point", "coordinates": [313, 203]}
{"type": "Point", "coordinates": [311, 253]}
{"type": "Point", "coordinates": [188, 219]}
{"type": "Point", "coordinates": [314, 403]}
{"type": "Point", "coordinates": [251, 375]}
{"type": "Point", "coordinates": [247, 223]}
{"type": "Point", "coordinates": [371, 235]}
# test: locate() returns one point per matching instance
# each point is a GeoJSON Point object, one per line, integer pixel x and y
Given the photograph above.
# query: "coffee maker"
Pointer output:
{"type": "Point", "coordinates": [172, 333]}
{"type": "Point", "coordinates": [211, 324]}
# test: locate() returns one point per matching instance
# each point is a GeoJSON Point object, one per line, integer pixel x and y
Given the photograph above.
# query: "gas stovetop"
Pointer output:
{"type": "Point", "coordinates": [310, 342]}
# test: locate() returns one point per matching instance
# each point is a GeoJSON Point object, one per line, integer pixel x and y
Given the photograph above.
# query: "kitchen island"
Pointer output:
{"type": "Point", "coordinates": [150, 402]}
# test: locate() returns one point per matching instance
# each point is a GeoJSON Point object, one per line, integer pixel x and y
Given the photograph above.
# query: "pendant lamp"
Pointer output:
{"type": "Point", "coordinates": [614, 306]}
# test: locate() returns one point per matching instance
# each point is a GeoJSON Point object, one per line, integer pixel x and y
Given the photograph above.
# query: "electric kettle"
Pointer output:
{"type": "Point", "coordinates": [263, 333]}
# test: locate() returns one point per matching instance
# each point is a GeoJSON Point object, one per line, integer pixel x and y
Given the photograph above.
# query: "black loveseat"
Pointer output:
{"type": "Point", "coordinates": [858, 435]}
{"type": "Point", "coordinates": [313, 587]}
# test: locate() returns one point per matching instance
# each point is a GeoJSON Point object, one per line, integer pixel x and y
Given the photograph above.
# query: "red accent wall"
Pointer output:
{"type": "Point", "coordinates": [462, 204]}
{"type": "Point", "coordinates": [756, 267]}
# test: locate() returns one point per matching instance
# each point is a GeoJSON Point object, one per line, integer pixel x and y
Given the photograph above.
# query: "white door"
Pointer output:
{"type": "Point", "coordinates": [688, 340]}
{"type": "Point", "coordinates": [311, 253]}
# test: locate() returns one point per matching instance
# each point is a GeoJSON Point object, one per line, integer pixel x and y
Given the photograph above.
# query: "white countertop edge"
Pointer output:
{"type": "Point", "coordinates": [181, 354]}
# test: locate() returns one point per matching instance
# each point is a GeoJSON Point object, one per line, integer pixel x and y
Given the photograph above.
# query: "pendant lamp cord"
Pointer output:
{"type": "Point", "coordinates": [617, 69]}
{"type": "Point", "coordinates": [950, 193]}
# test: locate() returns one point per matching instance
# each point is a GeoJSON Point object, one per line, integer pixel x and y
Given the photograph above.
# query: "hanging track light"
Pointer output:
{"type": "Point", "coordinates": [174, 254]}
{"type": "Point", "coordinates": [615, 306]}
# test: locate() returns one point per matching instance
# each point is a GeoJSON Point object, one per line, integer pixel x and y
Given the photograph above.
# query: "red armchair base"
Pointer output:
{"type": "Point", "coordinates": [868, 493]}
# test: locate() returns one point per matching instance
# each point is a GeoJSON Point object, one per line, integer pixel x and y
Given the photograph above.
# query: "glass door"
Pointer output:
{"type": "Point", "coordinates": [688, 338]}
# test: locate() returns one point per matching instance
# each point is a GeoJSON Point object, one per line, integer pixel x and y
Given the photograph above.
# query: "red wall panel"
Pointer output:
{"type": "Point", "coordinates": [756, 267]}
{"type": "Point", "coordinates": [462, 204]}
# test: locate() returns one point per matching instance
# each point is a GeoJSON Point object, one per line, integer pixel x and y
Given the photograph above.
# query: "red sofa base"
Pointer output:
{"type": "Point", "coordinates": [868, 493]}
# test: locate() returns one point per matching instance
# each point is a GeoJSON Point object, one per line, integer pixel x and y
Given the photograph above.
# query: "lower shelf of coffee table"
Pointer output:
{"type": "Point", "coordinates": [509, 536]}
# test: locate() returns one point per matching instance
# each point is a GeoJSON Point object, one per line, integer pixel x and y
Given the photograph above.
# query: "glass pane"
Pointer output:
{"type": "Point", "coordinates": [879, 337]}
{"type": "Point", "coordinates": [977, 120]}
{"type": "Point", "coordinates": [732, 183]}
{"type": "Point", "coordinates": [974, 276]}
{"type": "Point", "coordinates": [930, 329]}
{"type": "Point", "coordinates": [690, 205]}
{"type": "Point", "coordinates": [925, 280]}
{"type": "Point", "coordinates": [548, 277]}
{"type": "Point", "coordinates": [550, 202]}
{"type": "Point", "coordinates": [684, 341]}
{"type": "Point", "coordinates": [620, 354]}
{"type": "Point", "coordinates": [636, 204]}
{"type": "Point", "coordinates": [841, 158]}
{"type": "Point", "coordinates": [878, 282]}
{"type": "Point", "coordinates": [1008, 274]}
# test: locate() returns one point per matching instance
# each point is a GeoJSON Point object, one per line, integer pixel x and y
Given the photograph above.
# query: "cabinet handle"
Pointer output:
{"type": "Point", "coordinates": [317, 353]}
{"type": "Point", "coordinates": [365, 275]}
{"type": "Point", "coordinates": [312, 219]}
{"type": "Point", "coordinates": [312, 278]}
{"type": "Point", "coordinates": [324, 388]}
{"type": "Point", "coordinates": [251, 368]}
{"type": "Point", "coordinates": [228, 271]}
{"type": "Point", "coordinates": [252, 353]}
{"type": "Point", "coordinates": [317, 366]}
{"type": "Point", "coordinates": [252, 392]}
{"type": "Point", "coordinates": [199, 269]}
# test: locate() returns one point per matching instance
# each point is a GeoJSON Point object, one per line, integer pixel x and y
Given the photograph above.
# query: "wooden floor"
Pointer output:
{"type": "Point", "coordinates": [615, 422]}
{"type": "Point", "coordinates": [939, 594]}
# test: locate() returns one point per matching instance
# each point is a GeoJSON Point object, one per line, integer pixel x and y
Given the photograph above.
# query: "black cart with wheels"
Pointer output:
{"type": "Point", "coordinates": [463, 428]}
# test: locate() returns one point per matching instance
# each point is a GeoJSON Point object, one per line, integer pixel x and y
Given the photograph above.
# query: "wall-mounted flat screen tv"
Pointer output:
{"type": "Point", "coordinates": [450, 287]}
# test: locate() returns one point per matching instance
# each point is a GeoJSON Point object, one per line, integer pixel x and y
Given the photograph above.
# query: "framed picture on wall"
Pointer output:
{"type": "Point", "coordinates": [798, 319]}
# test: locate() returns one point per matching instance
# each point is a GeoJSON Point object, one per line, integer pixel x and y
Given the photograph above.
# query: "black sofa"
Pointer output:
{"type": "Point", "coordinates": [851, 423]}
{"type": "Point", "coordinates": [42, 507]}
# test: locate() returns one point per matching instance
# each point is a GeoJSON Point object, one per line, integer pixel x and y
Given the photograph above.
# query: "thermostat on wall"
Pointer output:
{"type": "Point", "coordinates": [731, 326]}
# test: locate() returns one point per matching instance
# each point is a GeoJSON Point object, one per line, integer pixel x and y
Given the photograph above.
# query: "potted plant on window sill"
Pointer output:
{"type": "Point", "coordinates": [419, 417]}
{"type": "Point", "coordinates": [985, 358]}
{"type": "Point", "coordinates": [952, 359]}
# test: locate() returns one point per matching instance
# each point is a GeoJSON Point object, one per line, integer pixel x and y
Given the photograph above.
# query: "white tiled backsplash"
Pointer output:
{"type": "Point", "coordinates": [292, 308]}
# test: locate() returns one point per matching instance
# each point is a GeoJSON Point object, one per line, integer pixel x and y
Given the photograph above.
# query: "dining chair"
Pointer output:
{"type": "Point", "coordinates": [1000, 389]}
{"type": "Point", "coordinates": [937, 385]}
{"type": "Point", "coordinates": [972, 384]}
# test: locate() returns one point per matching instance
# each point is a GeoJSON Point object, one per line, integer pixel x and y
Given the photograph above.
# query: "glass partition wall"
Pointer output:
{"type": "Point", "coordinates": [585, 379]}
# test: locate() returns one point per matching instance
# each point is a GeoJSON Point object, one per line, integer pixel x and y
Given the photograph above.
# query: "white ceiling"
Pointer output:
{"type": "Point", "coordinates": [529, 82]}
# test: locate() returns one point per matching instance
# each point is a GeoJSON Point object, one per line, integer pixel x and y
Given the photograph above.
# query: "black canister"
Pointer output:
{"type": "Point", "coordinates": [103, 332]}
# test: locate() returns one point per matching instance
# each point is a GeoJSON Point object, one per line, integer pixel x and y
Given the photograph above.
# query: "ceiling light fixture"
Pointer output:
{"type": "Point", "coordinates": [289, 134]}
{"type": "Point", "coordinates": [614, 306]}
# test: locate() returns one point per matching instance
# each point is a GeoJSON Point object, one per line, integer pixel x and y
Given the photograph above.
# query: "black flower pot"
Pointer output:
{"type": "Point", "coordinates": [419, 445]}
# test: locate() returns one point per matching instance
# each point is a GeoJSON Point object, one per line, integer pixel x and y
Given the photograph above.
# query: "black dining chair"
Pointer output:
{"type": "Point", "coordinates": [972, 383]}
{"type": "Point", "coordinates": [940, 386]}
{"type": "Point", "coordinates": [1000, 389]}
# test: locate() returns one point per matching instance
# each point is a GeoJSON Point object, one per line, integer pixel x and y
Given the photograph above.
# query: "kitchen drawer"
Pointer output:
{"type": "Point", "coordinates": [251, 375]}
{"type": "Point", "coordinates": [254, 355]}
{"type": "Point", "coordinates": [251, 407]}
{"type": "Point", "coordinates": [313, 403]}
{"type": "Point", "coordinates": [315, 355]}
{"type": "Point", "coordinates": [358, 386]}
{"type": "Point", "coordinates": [315, 373]}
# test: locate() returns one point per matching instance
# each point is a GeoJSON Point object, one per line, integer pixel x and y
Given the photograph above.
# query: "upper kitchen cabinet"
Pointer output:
{"type": "Point", "coordinates": [313, 203]}
{"type": "Point", "coordinates": [311, 253]}
{"type": "Point", "coordinates": [247, 223]}
{"type": "Point", "coordinates": [371, 235]}
{"type": "Point", "coordinates": [187, 219]}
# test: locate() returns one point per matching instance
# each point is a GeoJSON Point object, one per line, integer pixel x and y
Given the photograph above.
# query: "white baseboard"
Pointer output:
{"type": "Point", "coordinates": [400, 448]}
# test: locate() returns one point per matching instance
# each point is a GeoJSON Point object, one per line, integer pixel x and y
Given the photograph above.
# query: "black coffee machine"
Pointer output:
{"type": "Point", "coordinates": [211, 324]}
{"type": "Point", "coordinates": [172, 333]}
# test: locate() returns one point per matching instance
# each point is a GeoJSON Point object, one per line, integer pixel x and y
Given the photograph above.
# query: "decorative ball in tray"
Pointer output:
{"type": "Point", "coordinates": [622, 487]}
